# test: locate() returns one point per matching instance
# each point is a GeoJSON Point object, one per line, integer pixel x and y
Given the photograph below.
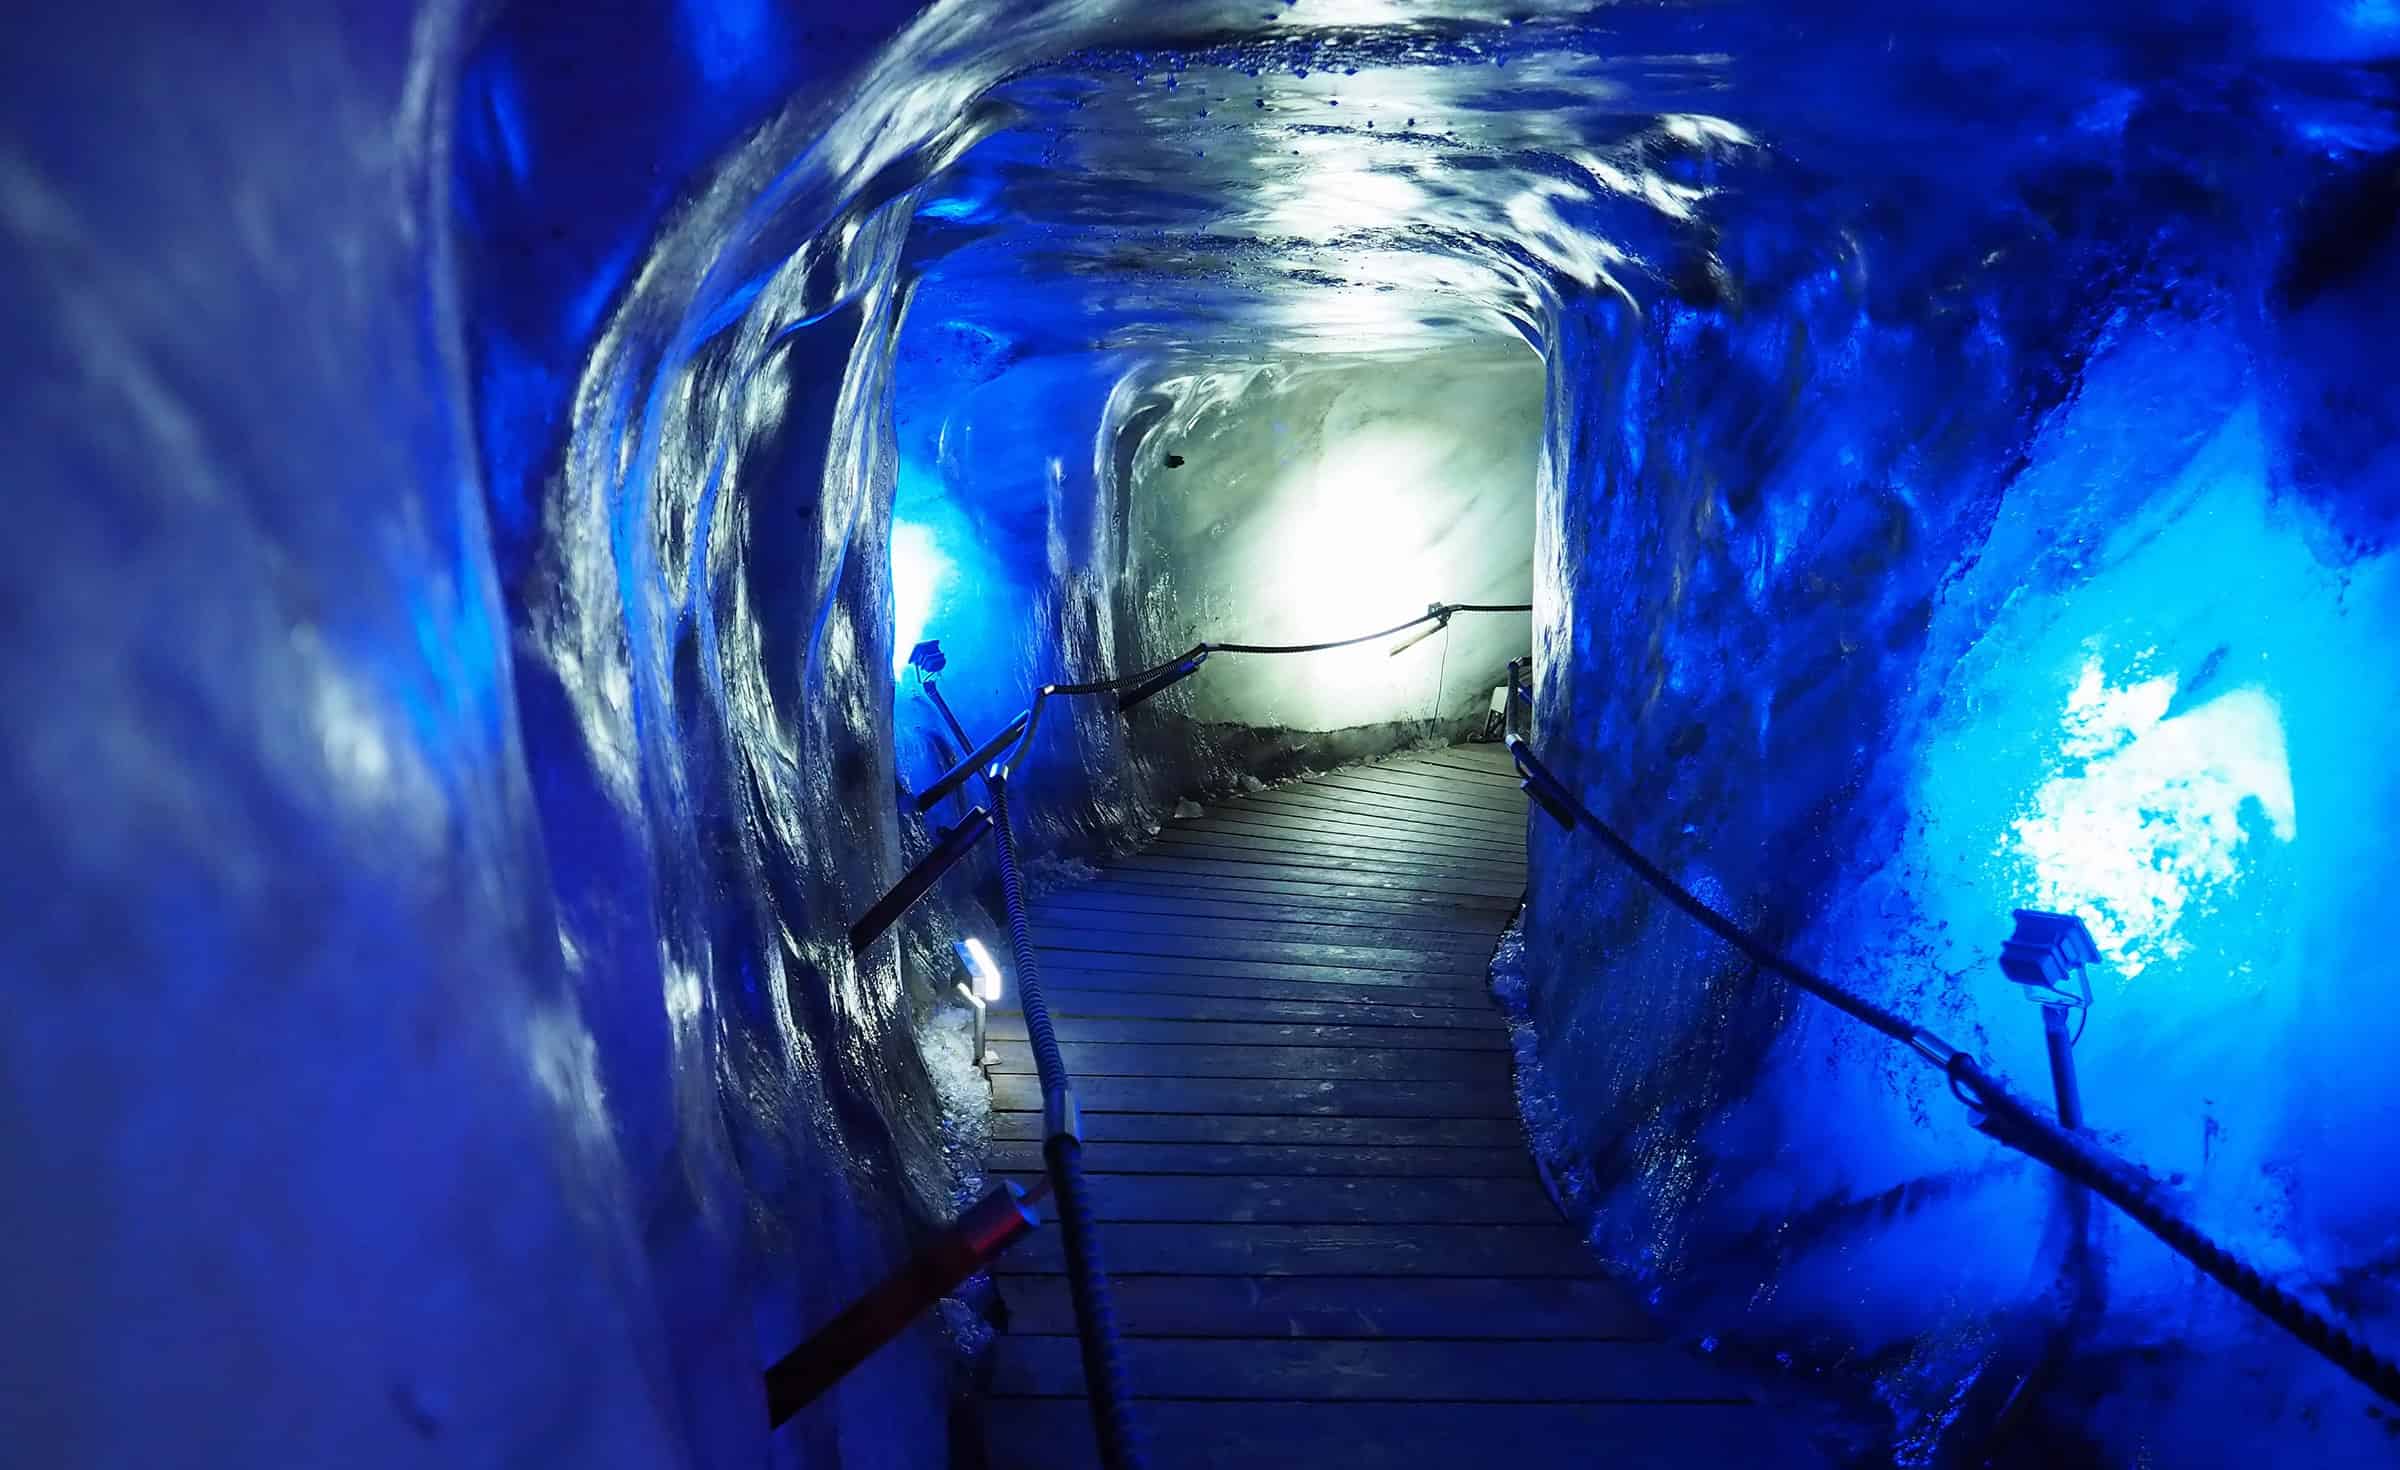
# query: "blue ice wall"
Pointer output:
{"type": "Point", "coordinates": [456, 451]}
{"type": "Point", "coordinates": [2023, 567]}
{"type": "Point", "coordinates": [459, 669]}
{"type": "Point", "coordinates": [308, 1155]}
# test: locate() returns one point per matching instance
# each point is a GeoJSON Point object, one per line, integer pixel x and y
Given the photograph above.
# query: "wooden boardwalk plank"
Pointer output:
{"type": "Point", "coordinates": [1260, 886]}
{"type": "Point", "coordinates": [1144, 898]}
{"type": "Point", "coordinates": [1182, 1031]}
{"type": "Point", "coordinates": [1340, 803]}
{"type": "Point", "coordinates": [1299, 1063]}
{"type": "Point", "coordinates": [1274, 827]}
{"type": "Point", "coordinates": [1057, 917]}
{"type": "Point", "coordinates": [1159, 969]}
{"type": "Point", "coordinates": [1258, 825]}
{"type": "Point", "coordinates": [1352, 1009]}
{"type": "Point", "coordinates": [1055, 1434]}
{"type": "Point", "coordinates": [1541, 1251]}
{"type": "Point", "coordinates": [1280, 1097]}
{"type": "Point", "coordinates": [1127, 977]}
{"type": "Point", "coordinates": [1434, 791]}
{"type": "Point", "coordinates": [1475, 1371]}
{"type": "Point", "coordinates": [1499, 777]}
{"type": "Point", "coordinates": [1198, 870]}
{"type": "Point", "coordinates": [1402, 960]}
{"type": "Point", "coordinates": [1491, 758]}
{"type": "Point", "coordinates": [1271, 1160]}
{"type": "Point", "coordinates": [1421, 871]}
{"type": "Point", "coordinates": [1391, 813]}
{"type": "Point", "coordinates": [1341, 1307]}
{"type": "Point", "coordinates": [1505, 1136]}
{"type": "Point", "coordinates": [1328, 1242]}
{"type": "Point", "coordinates": [1406, 853]}
{"type": "Point", "coordinates": [1286, 1200]}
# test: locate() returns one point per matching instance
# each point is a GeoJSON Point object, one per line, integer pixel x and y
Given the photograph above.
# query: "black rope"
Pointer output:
{"type": "Point", "coordinates": [2007, 1117]}
{"type": "Point", "coordinates": [1062, 1143]}
{"type": "Point", "coordinates": [1439, 611]}
{"type": "Point", "coordinates": [2021, 1125]}
{"type": "Point", "coordinates": [1062, 1150]}
{"type": "Point", "coordinates": [1756, 951]}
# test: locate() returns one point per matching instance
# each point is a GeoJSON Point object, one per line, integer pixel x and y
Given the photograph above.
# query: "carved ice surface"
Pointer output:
{"type": "Point", "coordinates": [476, 470]}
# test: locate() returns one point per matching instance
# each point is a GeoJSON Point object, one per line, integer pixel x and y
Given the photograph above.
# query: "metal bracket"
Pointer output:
{"type": "Point", "coordinates": [1535, 780]}
{"type": "Point", "coordinates": [1060, 1117]}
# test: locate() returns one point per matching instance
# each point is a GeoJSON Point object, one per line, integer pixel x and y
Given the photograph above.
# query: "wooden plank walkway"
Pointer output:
{"type": "Point", "coordinates": [1328, 1243]}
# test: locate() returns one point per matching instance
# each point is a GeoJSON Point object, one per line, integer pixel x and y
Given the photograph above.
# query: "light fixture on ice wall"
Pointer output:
{"type": "Point", "coordinates": [2048, 954]}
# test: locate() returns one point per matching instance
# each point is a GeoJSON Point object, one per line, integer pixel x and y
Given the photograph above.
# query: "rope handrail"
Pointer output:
{"type": "Point", "coordinates": [1156, 677]}
{"type": "Point", "coordinates": [1999, 1111]}
{"type": "Point", "coordinates": [1062, 1132]}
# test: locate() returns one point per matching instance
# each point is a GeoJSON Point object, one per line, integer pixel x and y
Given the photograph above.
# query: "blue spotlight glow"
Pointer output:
{"type": "Point", "coordinates": [920, 572]}
{"type": "Point", "coordinates": [2142, 816]}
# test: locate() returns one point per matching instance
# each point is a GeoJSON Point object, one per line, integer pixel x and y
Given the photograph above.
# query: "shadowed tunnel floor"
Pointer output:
{"type": "Point", "coordinates": [1327, 1239]}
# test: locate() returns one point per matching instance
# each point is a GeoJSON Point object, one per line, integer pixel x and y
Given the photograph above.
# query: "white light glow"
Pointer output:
{"type": "Point", "coordinates": [980, 968]}
{"type": "Point", "coordinates": [2143, 820]}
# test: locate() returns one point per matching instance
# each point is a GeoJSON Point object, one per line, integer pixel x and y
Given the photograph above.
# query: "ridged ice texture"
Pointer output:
{"type": "Point", "coordinates": [2046, 562]}
{"type": "Point", "coordinates": [453, 457]}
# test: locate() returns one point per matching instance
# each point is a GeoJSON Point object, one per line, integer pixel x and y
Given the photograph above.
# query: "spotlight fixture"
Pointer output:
{"type": "Point", "coordinates": [928, 660]}
{"type": "Point", "coordinates": [979, 989]}
{"type": "Point", "coordinates": [2043, 955]}
{"type": "Point", "coordinates": [2045, 952]}
{"type": "Point", "coordinates": [980, 968]}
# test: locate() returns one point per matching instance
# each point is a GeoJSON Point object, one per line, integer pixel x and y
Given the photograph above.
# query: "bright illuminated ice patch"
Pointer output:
{"type": "Point", "coordinates": [2144, 817]}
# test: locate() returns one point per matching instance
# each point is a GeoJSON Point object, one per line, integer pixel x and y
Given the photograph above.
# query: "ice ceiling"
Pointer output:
{"type": "Point", "coordinates": [479, 474]}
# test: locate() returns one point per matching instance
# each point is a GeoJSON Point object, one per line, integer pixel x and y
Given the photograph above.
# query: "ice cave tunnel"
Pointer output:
{"type": "Point", "coordinates": [1018, 733]}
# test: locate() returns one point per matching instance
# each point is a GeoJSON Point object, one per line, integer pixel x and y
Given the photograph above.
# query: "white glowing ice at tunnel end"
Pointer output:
{"type": "Point", "coordinates": [2142, 818]}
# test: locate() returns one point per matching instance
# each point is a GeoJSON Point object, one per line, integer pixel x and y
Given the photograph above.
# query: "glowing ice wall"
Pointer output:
{"type": "Point", "coordinates": [1010, 509]}
{"type": "Point", "coordinates": [1325, 499]}
{"type": "Point", "coordinates": [1870, 648]}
